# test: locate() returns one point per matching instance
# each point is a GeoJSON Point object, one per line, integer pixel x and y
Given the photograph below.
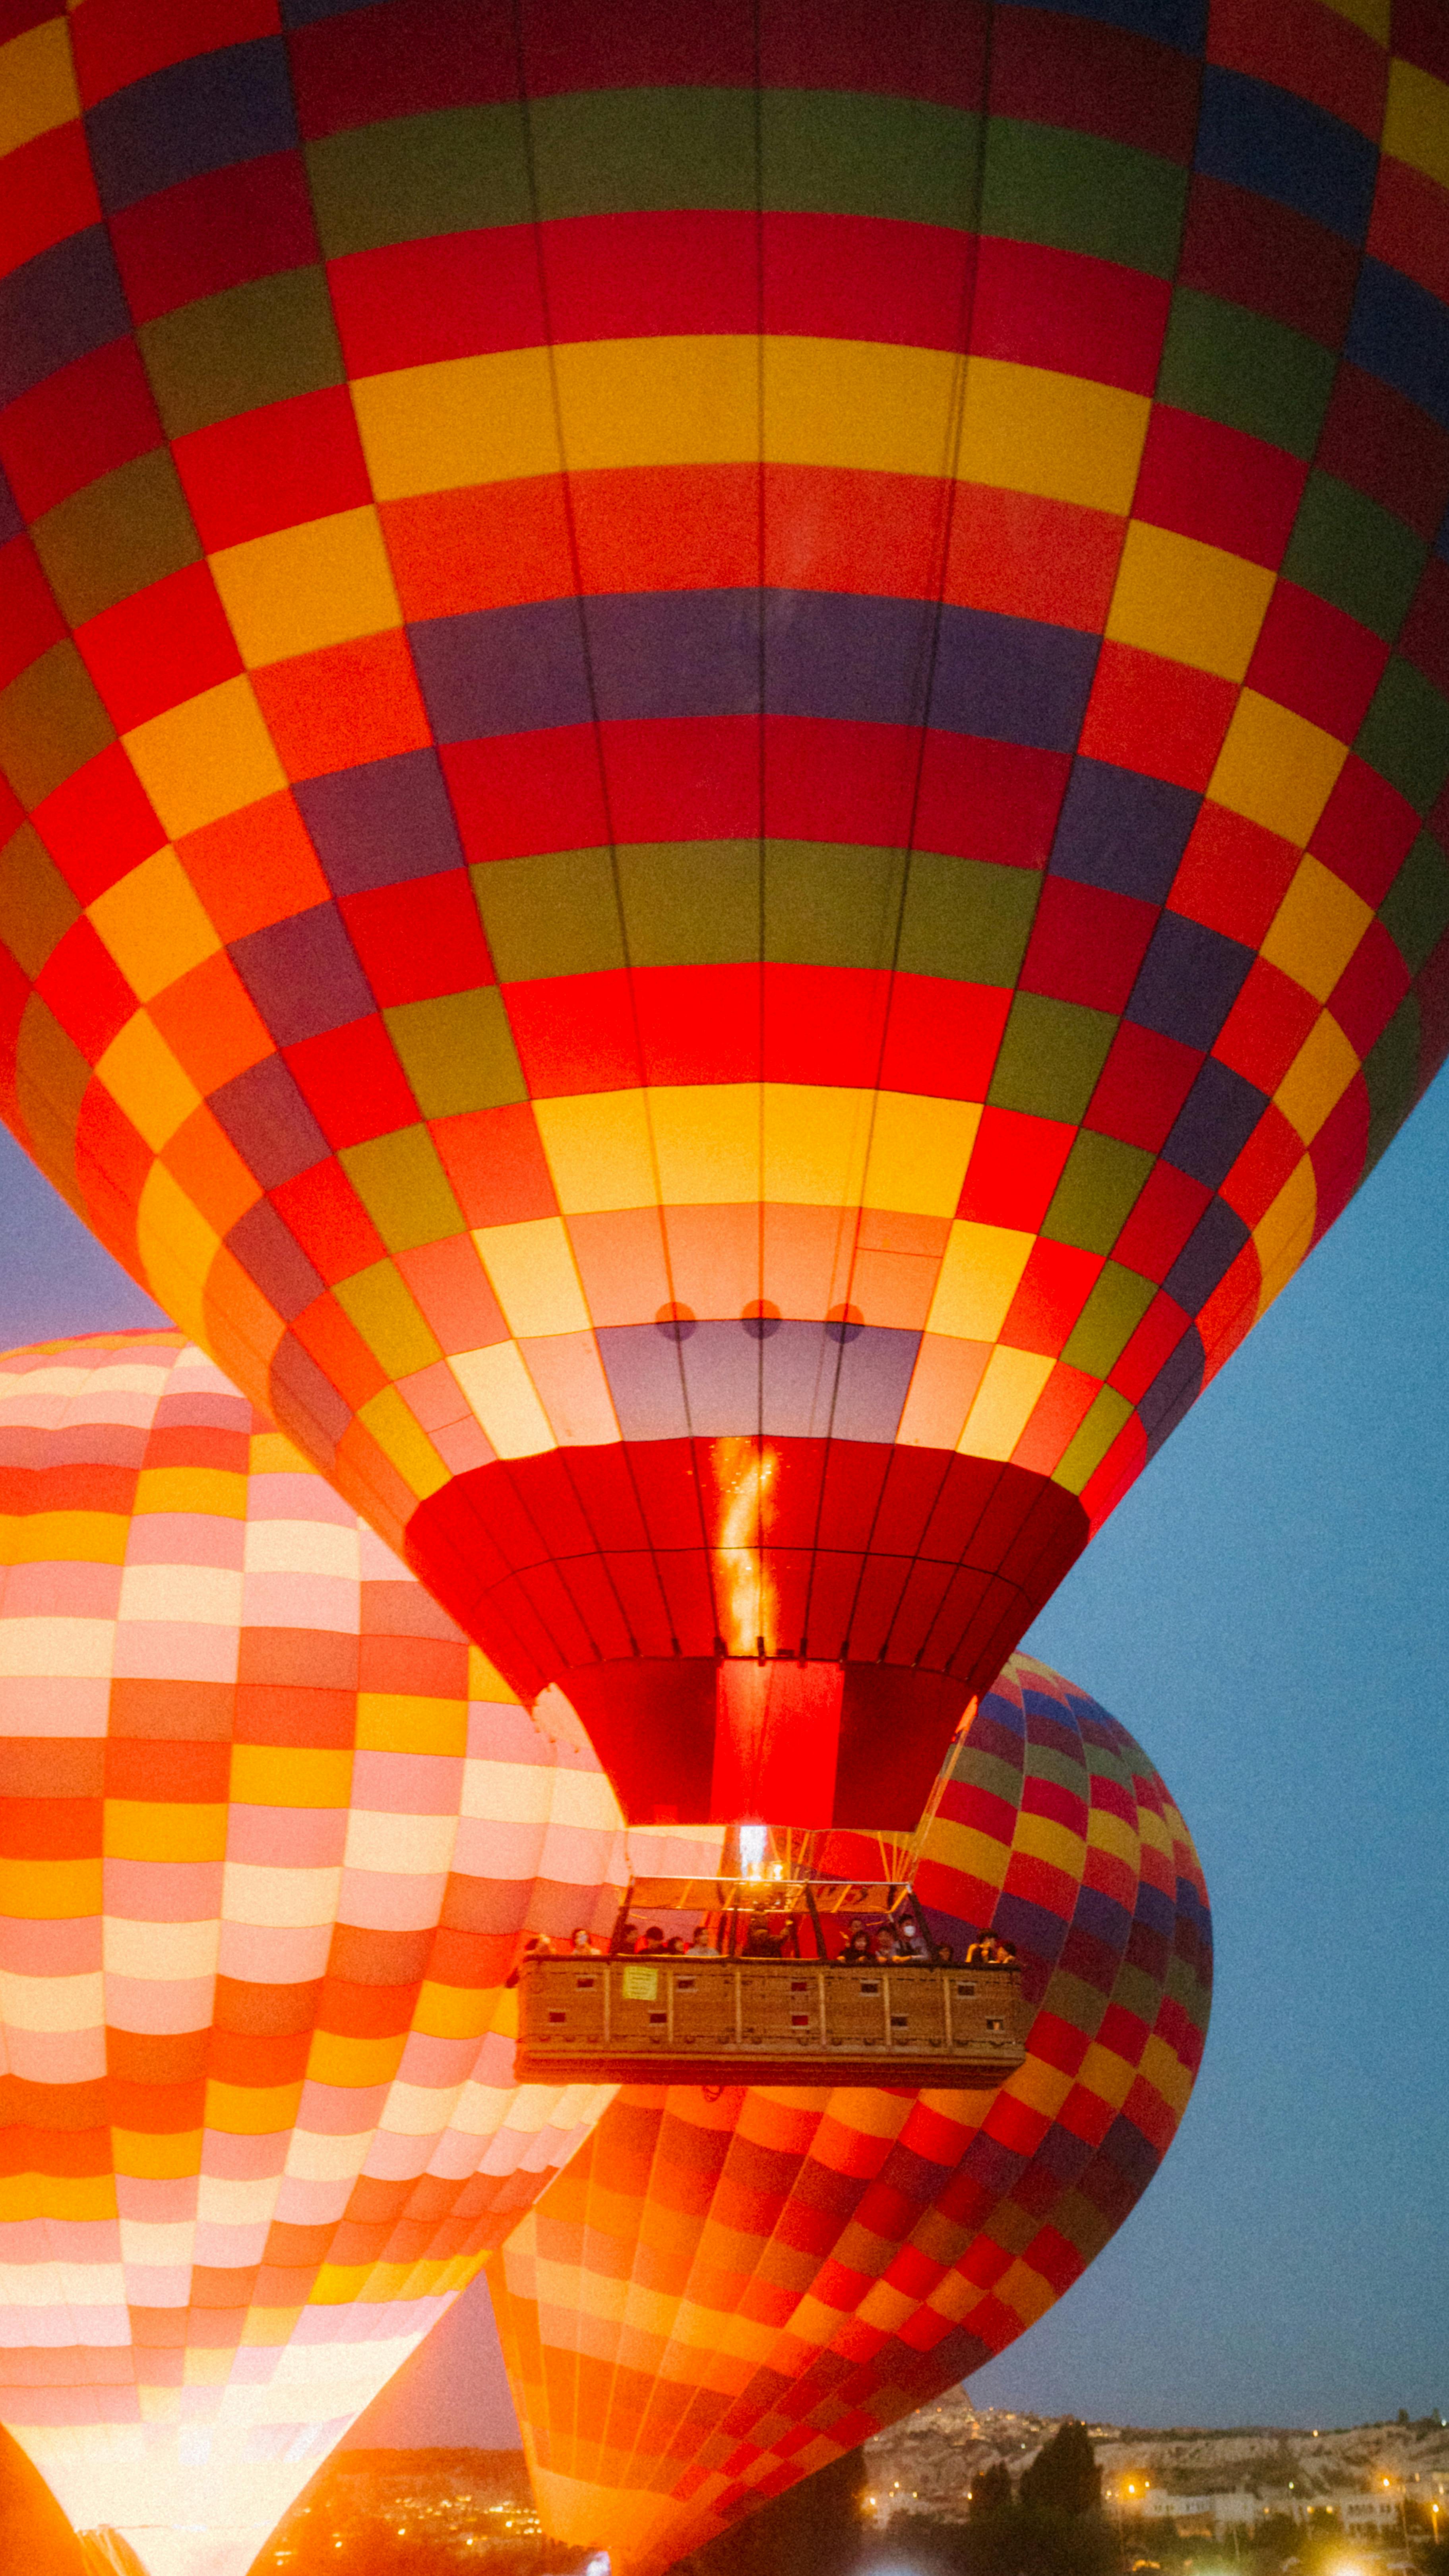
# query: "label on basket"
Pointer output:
{"type": "Point", "coordinates": [641, 1985]}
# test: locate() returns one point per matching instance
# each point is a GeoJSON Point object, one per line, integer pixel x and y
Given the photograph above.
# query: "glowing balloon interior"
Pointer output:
{"type": "Point", "coordinates": [726, 731]}
{"type": "Point", "coordinates": [270, 1834]}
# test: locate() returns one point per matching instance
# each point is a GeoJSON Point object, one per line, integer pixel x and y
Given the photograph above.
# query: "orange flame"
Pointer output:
{"type": "Point", "coordinates": [747, 1608]}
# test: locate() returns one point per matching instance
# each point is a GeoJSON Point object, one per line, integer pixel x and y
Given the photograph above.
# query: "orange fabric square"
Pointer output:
{"type": "Point", "coordinates": [202, 1157]}
{"type": "Point", "coordinates": [1032, 558]}
{"type": "Point", "coordinates": [494, 545]}
{"type": "Point", "coordinates": [348, 703]}
{"type": "Point", "coordinates": [211, 1024]}
{"type": "Point", "coordinates": [254, 867]}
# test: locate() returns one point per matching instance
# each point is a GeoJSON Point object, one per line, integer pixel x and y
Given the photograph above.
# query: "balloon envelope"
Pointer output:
{"type": "Point", "coordinates": [718, 2297]}
{"type": "Point", "coordinates": [270, 1832]}
{"type": "Point", "coordinates": [725, 738]}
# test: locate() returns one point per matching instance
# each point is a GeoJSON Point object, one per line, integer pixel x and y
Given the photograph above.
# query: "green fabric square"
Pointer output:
{"type": "Point", "coordinates": [1086, 1452]}
{"type": "Point", "coordinates": [644, 151]}
{"type": "Point", "coordinates": [1355, 555]}
{"type": "Point", "coordinates": [1051, 1056]}
{"type": "Point", "coordinates": [454, 171]}
{"type": "Point", "coordinates": [691, 903]}
{"type": "Point", "coordinates": [1405, 735]}
{"type": "Point", "coordinates": [235, 352]}
{"type": "Point", "coordinates": [1097, 1192]}
{"type": "Point", "coordinates": [1415, 911]}
{"type": "Point", "coordinates": [117, 535]}
{"type": "Point", "coordinates": [1079, 192]}
{"type": "Point", "coordinates": [1108, 1320]}
{"type": "Point", "coordinates": [846, 152]}
{"type": "Point", "coordinates": [1391, 1077]}
{"type": "Point", "coordinates": [52, 1078]}
{"type": "Point", "coordinates": [966, 918]}
{"type": "Point", "coordinates": [1245, 371]}
{"type": "Point", "coordinates": [36, 905]}
{"type": "Point", "coordinates": [831, 905]}
{"type": "Point", "coordinates": [51, 721]}
{"type": "Point", "coordinates": [557, 915]}
{"type": "Point", "coordinates": [457, 1052]}
{"type": "Point", "coordinates": [404, 1188]}
{"type": "Point", "coordinates": [380, 1304]}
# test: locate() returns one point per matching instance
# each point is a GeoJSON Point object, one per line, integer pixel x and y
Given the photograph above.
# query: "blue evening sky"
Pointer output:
{"type": "Point", "coordinates": [1267, 1612]}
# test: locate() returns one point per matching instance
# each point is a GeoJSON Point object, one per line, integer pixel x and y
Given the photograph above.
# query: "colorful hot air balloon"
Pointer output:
{"type": "Point", "coordinates": [270, 1835]}
{"type": "Point", "coordinates": [718, 2297]}
{"type": "Point", "coordinates": [726, 723]}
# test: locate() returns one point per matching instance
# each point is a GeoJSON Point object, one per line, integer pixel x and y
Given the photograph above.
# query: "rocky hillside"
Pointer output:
{"type": "Point", "coordinates": [927, 2462]}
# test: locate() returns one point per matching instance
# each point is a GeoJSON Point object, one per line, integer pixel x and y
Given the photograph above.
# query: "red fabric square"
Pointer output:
{"type": "Point", "coordinates": [1365, 830]}
{"type": "Point", "coordinates": [574, 1033]}
{"type": "Point", "coordinates": [273, 468]}
{"type": "Point", "coordinates": [1370, 989]}
{"type": "Point", "coordinates": [1233, 875]}
{"type": "Point", "coordinates": [1296, 47]}
{"type": "Point", "coordinates": [1314, 659]}
{"type": "Point", "coordinates": [30, 622]}
{"type": "Point", "coordinates": [1424, 635]}
{"type": "Point", "coordinates": [1038, 307]}
{"type": "Point", "coordinates": [1218, 485]}
{"type": "Point", "coordinates": [1337, 1153]}
{"type": "Point", "coordinates": [984, 800]}
{"type": "Point", "coordinates": [1409, 227]}
{"type": "Point", "coordinates": [352, 1082]}
{"type": "Point", "coordinates": [50, 193]}
{"type": "Point", "coordinates": [81, 422]}
{"type": "Point", "coordinates": [1086, 944]}
{"type": "Point", "coordinates": [942, 1038]}
{"type": "Point", "coordinates": [1156, 716]}
{"type": "Point", "coordinates": [1386, 446]}
{"type": "Point", "coordinates": [86, 990]}
{"type": "Point", "coordinates": [1271, 1155]}
{"type": "Point", "coordinates": [522, 793]}
{"type": "Point", "coordinates": [419, 940]}
{"type": "Point", "coordinates": [159, 647]}
{"type": "Point", "coordinates": [1243, 246]}
{"type": "Point", "coordinates": [416, 302]}
{"type": "Point", "coordinates": [451, 1286]}
{"type": "Point", "coordinates": [821, 1024]}
{"type": "Point", "coordinates": [1142, 1086]}
{"type": "Point", "coordinates": [1150, 1348]}
{"type": "Point", "coordinates": [495, 1161]}
{"type": "Point", "coordinates": [324, 1212]}
{"type": "Point", "coordinates": [1015, 1165]}
{"type": "Point", "coordinates": [121, 41]}
{"type": "Point", "coordinates": [98, 825]}
{"type": "Point", "coordinates": [701, 1024]}
{"type": "Point", "coordinates": [1053, 1289]}
{"type": "Point", "coordinates": [1266, 1026]}
{"type": "Point", "coordinates": [1167, 1208]}
{"type": "Point", "coordinates": [224, 229]}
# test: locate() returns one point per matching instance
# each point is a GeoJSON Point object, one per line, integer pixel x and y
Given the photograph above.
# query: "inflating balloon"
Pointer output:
{"type": "Point", "coordinates": [726, 728]}
{"type": "Point", "coordinates": [270, 1836]}
{"type": "Point", "coordinates": [718, 2297]}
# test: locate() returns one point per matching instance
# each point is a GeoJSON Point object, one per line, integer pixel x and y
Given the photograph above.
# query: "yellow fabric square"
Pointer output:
{"type": "Point", "coordinates": [814, 1145]}
{"type": "Point", "coordinates": [1316, 928]}
{"type": "Point", "coordinates": [154, 924]}
{"type": "Point", "coordinates": [37, 85]}
{"type": "Point", "coordinates": [177, 1249]}
{"type": "Point", "coordinates": [979, 1276]}
{"type": "Point", "coordinates": [1416, 120]}
{"type": "Point", "coordinates": [1189, 602]}
{"type": "Point", "coordinates": [599, 1151]}
{"type": "Point", "coordinates": [1318, 1077]}
{"type": "Point", "coordinates": [396, 1722]}
{"type": "Point", "coordinates": [1276, 768]}
{"type": "Point", "coordinates": [214, 1490]}
{"type": "Point", "coordinates": [322, 583]}
{"type": "Point", "coordinates": [504, 1400]}
{"type": "Point", "coordinates": [857, 403]}
{"type": "Point", "coordinates": [671, 401]}
{"type": "Point", "coordinates": [1028, 429]}
{"type": "Point", "coordinates": [708, 1141]}
{"type": "Point", "coordinates": [205, 758]}
{"type": "Point", "coordinates": [403, 1441]}
{"type": "Point", "coordinates": [1005, 1402]}
{"type": "Point", "coordinates": [1282, 1237]}
{"type": "Point", "coordinates": [463, 420]}
{"type": "Point", "coordinates": [276, 1775]}
{"type": "Point", "coordinates": [919, 1150]}
{"type": "Point", "coordinates": [142, 1075]}
{"type": "Point", "coordinates": [137, 1829]}
{"type": "Point", "coordinates": [1373, 16]}
{"type": "Point", "coordinates": [531, 1269]}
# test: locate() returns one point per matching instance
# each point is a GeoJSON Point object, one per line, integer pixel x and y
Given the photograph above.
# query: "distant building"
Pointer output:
{"type": "Point", "coordinates": [1211, 2516]}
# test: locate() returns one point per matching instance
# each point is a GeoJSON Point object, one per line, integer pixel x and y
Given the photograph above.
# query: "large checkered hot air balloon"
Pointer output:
{"type": "Point", "coordinates": [726, 724]}
{"type": "Point", "coordinates": [720, 2296]}
{"type": "Point", "coordinates": [270, 1835]}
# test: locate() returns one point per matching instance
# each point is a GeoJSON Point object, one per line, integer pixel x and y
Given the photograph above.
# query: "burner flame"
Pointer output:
{"type": "Point", "coordinates": [746, 1470]}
